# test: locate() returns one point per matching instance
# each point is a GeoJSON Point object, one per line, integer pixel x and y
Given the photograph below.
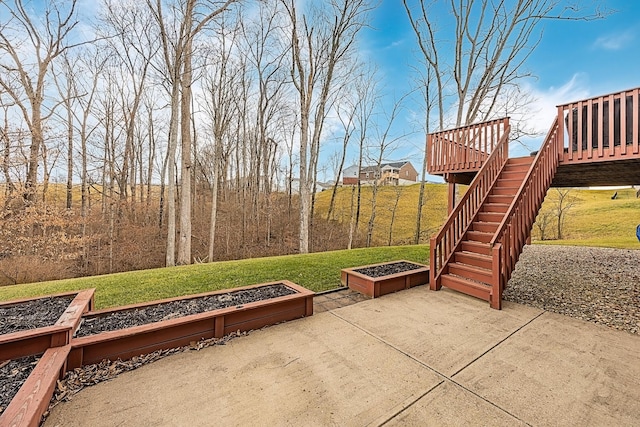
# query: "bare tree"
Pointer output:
{"type": "Point", "coordinates": [542, 223]}
{"type": "Point", "coordinates": [222, 87]}
{"type": "Point", "coordinates": [178, 55]}
{"type": "Point", "coordinates": [491, 44]}
{"type": "Point", "coordinates": [397, 190]}
{"type": "Point", "coordinates": [385, 143]}
{"type": "Point", "coordinates": [133, 44]}
{"type": "Point", "coordinates": [424, 83]}
{"type": "Point", "coordinates": [28, 48]}
{"type": "Point", "coordinates": [564, 201]}
{"type": "Point", "coordinates": [366, 102]}
{"type": "Point", "coordinates": [320, 40]}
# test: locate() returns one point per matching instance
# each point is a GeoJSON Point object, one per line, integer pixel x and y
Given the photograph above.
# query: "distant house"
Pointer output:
{"type": "Point", "coordinates": [394, 173]}
{"type": "Point", "coordinates": [350, 175]}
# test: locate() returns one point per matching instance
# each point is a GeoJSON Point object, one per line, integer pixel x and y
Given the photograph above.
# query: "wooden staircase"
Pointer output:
{"type": "Point", "coordinates": [471, 268]}
{"type": "Point", "coordinates": [478, 246]}
{"type": "Point", "coordinates": [594, 141]}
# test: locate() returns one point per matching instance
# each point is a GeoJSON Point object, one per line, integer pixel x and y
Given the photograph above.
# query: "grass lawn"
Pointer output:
{"type": "Point", "coordinates": [317, 272]}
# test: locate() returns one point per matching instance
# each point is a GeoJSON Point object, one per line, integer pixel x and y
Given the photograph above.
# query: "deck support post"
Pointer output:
{"type": "Point", "coordinates": [452, 197]}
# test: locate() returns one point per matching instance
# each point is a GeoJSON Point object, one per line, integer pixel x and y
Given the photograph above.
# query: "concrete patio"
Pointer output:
{"type": "Point", "coordinates": [416, 357]}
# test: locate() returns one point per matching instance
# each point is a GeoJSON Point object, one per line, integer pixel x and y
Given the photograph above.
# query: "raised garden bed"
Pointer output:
{"type": "Point", "coordinates": [31, 326]}
{"type": "Point", "coordinates": [380, 279]}
{"type": "Point", "coordinates": [36, 379]}
{"type": "Point", "coordinates": [129, 331]}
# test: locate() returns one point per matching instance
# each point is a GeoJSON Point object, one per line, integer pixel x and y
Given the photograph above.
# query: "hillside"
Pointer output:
{"type": "Point", "coordinates": [594, 219]}
{"type": "Point", "coordinates": [433, 215]}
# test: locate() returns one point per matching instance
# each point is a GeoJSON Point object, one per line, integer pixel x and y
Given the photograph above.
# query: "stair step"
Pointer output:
{"type": "Point", "coordinates": [515, 168]}
{"type": "Point", "coordinates": [470, 272]}
{"type": "Point", "coordinates": [490, 216]}
{"type": "Point", "coordinates": [468, 287]}
{"type": "Point", "coordinates": [476, 247]}
{"type": "Point", "coordinates": [518, 174]}
{"type": "Point", "coordinates": [528, 160]}
{"type": "Point", "coordinates": [500, 198]}
{"type": "Point", "coordinates": [479, 236]}
{"type": "Point", "coordinates": [504, 191]}
{"type": "Point", "coordinates": [486, 227]}
{"type": "Point", "coordinates": [494, 208]}
{"type": "Point", "coordinates": [474, 259]}
{"type": "Point", "coordinates": [508, 183]}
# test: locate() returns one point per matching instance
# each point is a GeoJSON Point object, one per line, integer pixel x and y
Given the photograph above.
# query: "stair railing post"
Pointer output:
{"type": "Point", "coordinates": [496, 279]}
{"type": "Point", "coordinates": [434, 266]}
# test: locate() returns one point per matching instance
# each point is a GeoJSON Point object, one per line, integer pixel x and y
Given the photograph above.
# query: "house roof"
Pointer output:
{"type": "Point", "coordinates": [393, 165]}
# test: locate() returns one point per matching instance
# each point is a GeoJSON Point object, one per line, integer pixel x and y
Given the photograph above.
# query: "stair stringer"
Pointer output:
{"type": "Point", "coordinates": [515, 228]}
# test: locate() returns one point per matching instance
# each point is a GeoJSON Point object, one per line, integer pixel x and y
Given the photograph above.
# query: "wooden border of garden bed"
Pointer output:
{"type": "Point", "coordinates": [375, 287]}
{"type": "Point", "coordinates": [36, 341]}
{"type": "Point", "coordinates": [129, 342]}
{"type": "Point", "coordinates": [32, 400]}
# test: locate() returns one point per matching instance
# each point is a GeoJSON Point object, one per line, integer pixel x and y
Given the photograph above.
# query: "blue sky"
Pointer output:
{"type": "Point", "coordinates": [574, 60]}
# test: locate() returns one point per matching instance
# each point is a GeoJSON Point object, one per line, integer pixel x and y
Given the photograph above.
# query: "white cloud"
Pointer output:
{"type": "Point", "coordinates": [543, 109]}
{"type": "Point", "coordinates": [615, 41]}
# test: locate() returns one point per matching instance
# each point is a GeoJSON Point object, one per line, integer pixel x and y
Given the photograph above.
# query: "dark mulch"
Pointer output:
{"type": "Point", "coordinates": [32, 314]}
{"type": "Point", "coordinates": [387, 269]}
{"type": "Point", "coordinates": [13, 373]}
{"type": "Point", "coordinates": [171, 310]}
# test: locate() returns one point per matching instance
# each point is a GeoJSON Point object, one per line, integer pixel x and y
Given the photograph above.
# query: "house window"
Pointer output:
{"type": "Point", "coordinates": [406, 173]}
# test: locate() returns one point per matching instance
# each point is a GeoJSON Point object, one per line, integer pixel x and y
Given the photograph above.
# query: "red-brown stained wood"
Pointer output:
{"type": "Point", "coordinates": [375, 287]}
{"type": "Point", "coordinates": [137, 340]}
{"type": "Point", "coordinates": [36, 341]}
{"type": "Point", "coordinates": [32, 400]}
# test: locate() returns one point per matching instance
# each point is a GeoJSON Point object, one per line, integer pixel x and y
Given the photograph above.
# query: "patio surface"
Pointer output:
{"type": "Point", "coordinates": [416, 357]}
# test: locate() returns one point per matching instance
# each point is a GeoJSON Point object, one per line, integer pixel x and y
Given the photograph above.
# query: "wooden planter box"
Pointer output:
{"type": "Point", "coordinates": [36, 341]}
{"type": "Point", "coordinates": [129, 342]}
{"type": "Point", "coordinates": [32, 400]}
{"type": "Point", "coordinates": [375, 287]}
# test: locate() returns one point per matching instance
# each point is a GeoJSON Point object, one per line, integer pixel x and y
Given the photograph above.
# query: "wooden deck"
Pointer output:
{"type": "Point", "coordinates": [596, 145]}
{"type": "Point", "coordinates": [599, 145]}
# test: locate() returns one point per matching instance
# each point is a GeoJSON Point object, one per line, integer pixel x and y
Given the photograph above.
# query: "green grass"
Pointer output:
{"type": "Point", "coordinates": [317, 272]}
{"type": "Point", "coordinates": [596, 220]}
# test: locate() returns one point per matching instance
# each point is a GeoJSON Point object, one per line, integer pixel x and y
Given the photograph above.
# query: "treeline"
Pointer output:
{"type": "Point", "coordinates": [182, 130]}
{"type": "Point", "coordinates": [47, 241]}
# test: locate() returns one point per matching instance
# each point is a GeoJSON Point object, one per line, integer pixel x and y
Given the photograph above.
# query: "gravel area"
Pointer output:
{"type": "Point", "coordinates": [598, 285]}
{"type": "Point", "coordinates": [32, 314]}
{"type": "Point", "coordinates": [180, 308]}
{"type": "Point", "coordinates": [387, 269]}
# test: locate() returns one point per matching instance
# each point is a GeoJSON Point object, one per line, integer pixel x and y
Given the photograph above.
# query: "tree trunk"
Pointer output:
{"type": "Point", "coordinates": [184, 242]}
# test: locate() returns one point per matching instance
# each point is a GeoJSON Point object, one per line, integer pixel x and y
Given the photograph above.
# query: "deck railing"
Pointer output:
{"type": "Point", "coordinates": [515, 228]}
{"type": "Point", "coordinates": [464, 149]}
{"type": "Point", "coordinates": [444, 244]}
{"type": "Point", "coordinates": [600, 128]}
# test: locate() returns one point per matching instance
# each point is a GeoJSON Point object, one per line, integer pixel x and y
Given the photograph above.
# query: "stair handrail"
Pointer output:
{"type": "Point", "coordinates": [445, 243]}
{"type": "Point", "coordinates": [515, 228]}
